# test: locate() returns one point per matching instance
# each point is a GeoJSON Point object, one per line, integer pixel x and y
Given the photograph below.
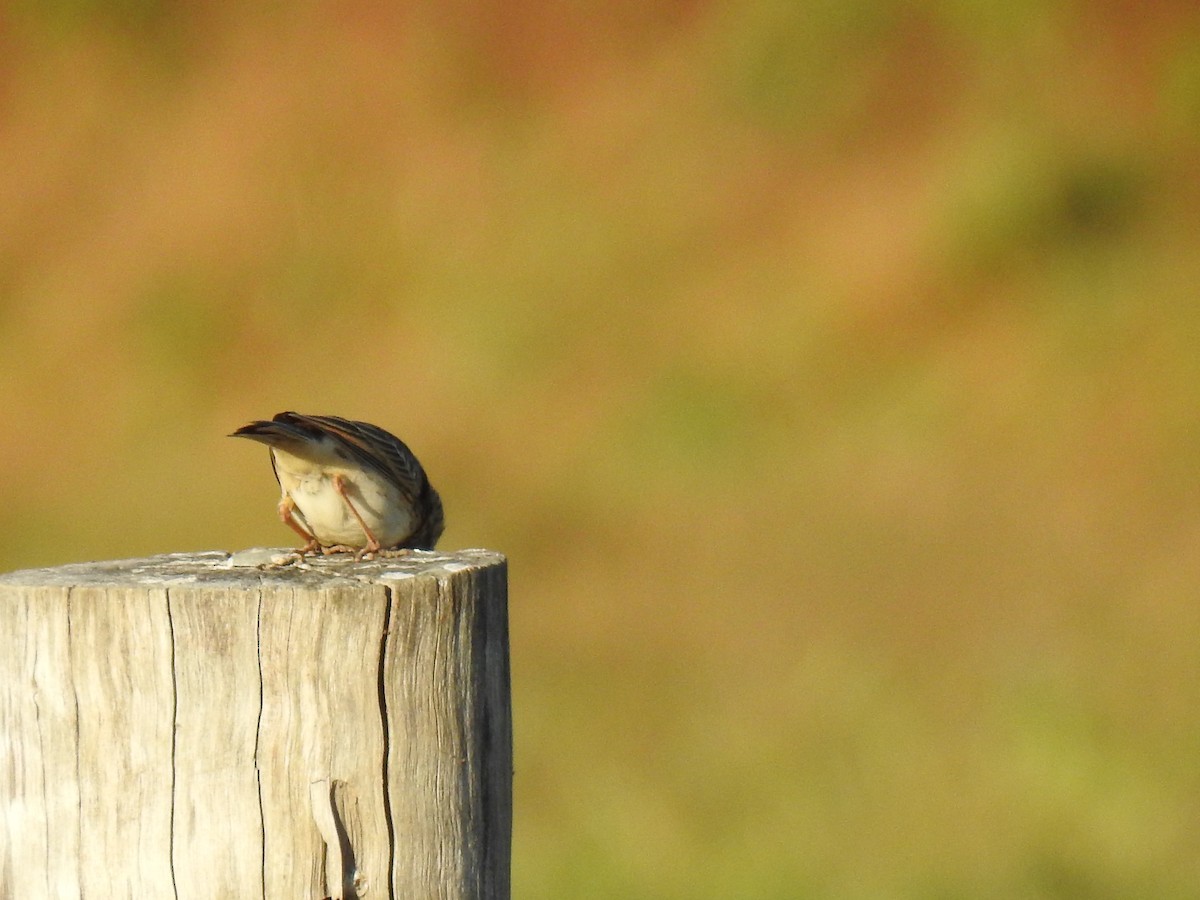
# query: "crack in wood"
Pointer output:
{"type": "Point", "coordinates": [340, 868]}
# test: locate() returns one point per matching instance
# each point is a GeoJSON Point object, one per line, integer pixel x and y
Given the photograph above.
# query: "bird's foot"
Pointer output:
{"type": "Point", "coordinates": [394, 553]}
{"type": "Point", "coordinates": [330, 549]}
{"type": "Point", "coordinates": [370, 551]}
{"type": "Point", "coordinates": [300, 552]}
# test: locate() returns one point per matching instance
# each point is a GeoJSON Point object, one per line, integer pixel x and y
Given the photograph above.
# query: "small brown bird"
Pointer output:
{"type": "Point", "coordinates": [348, 486]}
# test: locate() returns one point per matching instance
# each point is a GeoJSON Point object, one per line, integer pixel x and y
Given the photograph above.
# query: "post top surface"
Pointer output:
{"type": "Point", "coordinates": [258, 564]}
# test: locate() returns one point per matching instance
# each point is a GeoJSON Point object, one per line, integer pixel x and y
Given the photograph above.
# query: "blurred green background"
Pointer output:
{"type": "Point", "coordinates": [829, 373]}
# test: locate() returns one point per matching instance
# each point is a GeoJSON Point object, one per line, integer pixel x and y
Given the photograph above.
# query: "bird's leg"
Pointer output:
{"type": "Point", "coordinates": [373, 544]}
{"type": "Point", "coordinates": [286, 505]}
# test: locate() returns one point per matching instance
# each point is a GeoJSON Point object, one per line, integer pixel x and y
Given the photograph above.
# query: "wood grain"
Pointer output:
{"type": "Point", "coordinates": [184, 726]}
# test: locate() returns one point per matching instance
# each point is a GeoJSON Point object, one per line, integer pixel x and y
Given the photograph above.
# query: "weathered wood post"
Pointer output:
{"type": "Point", "coordinates": [207, 726]}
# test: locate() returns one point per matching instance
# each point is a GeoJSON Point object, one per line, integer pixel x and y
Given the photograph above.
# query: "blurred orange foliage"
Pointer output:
{"type": "Point", "coordinates": [827, 372]}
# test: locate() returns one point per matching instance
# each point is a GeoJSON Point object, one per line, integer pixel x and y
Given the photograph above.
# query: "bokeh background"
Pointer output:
{"type": "Point", "coordinates": [828, 371]}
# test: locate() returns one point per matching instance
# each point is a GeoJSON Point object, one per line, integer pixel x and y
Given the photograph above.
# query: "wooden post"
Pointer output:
{"type": "Point", "coordinates": [207, 726]}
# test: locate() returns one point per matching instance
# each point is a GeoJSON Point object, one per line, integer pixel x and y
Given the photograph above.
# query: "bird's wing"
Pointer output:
{"type": "Point", "coordinates": [370, 446]}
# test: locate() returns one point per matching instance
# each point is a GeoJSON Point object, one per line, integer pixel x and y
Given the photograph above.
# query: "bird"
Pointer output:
{"type": "Point", "coordinates": [348, 486]}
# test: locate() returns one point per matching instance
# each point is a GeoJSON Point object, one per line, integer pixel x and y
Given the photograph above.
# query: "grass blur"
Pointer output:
{"type": "Point", "coordinates": [828, 372]}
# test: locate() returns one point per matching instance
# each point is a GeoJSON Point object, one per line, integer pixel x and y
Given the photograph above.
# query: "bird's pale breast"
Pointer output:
{"type": "Point", "coordinates": [310, 484]}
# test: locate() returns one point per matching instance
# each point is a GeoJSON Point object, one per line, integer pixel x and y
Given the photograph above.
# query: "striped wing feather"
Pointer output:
{"type": "Point", "coordinates": [371, 447]}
